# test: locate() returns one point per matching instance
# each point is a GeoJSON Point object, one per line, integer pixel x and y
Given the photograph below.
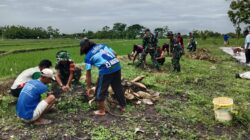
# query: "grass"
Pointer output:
{"type": "Point", "coordinates": [185, 110]}
{"type": "Point", "coordinates": [15, 63]}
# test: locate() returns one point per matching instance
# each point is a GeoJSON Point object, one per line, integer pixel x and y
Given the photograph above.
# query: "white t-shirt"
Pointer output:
{"type": "Point", "coordinates": [24, 77]}
{"type": "Point", "coordinates": [247, 40]}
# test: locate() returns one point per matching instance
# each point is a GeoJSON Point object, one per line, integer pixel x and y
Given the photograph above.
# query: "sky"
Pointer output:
{"type": "Point", "coordinates": [71, 16]}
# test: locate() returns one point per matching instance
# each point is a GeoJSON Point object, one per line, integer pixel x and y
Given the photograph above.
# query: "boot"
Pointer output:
{"type": "Point", "coordinates": [101, 111]}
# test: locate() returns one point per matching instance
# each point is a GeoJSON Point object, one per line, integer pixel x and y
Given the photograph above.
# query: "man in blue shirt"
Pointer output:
{"type": "Point", "coordinates": [29, 107]}
{"type": "Point", "coordinates": [104, 58]}
{"type": "Point", "coordinates": [226, 39]}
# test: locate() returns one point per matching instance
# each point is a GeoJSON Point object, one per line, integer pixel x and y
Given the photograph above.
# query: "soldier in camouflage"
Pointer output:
{"type": "Point", "coordinates": [176, 55]}
{"type": "Point", "coordinates": [149, 44]}
{"type": "Point", "coordinates": [171, 41]}
{"type": "Point", "coordinates": [67, 73]}
{"type": "Point", "coordinates": [192, 45]}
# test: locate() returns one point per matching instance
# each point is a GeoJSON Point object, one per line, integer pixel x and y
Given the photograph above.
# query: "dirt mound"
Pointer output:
{"type": "Point", "coordinates": [202, 54]}
{"type": "Point", "coordinates": [5, 86]}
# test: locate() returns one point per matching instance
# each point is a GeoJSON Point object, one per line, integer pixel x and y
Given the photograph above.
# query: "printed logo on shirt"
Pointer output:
{"type": "Point", "coordinates": [114, 61]}
{"type": "Point", "coordinates": [27, 90]}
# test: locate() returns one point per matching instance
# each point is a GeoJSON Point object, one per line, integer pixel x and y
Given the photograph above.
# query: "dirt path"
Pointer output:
{"type": "Point", "coordinates": [239, 57]}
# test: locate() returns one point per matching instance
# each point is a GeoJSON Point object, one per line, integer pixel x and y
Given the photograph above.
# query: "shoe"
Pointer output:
{"type": "Point", "coordinates": [237, 75]}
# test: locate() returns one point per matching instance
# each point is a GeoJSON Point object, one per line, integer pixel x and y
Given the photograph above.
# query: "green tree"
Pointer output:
{"type": "Point", "coordinates": [54, 32]}
{"type": "Point", "coordinates": [119, 30]}
{"type": "Point", "coordinates": [134, 31]}
{"type": "Point", "coordinates": [239, 13]}
{"type": "Point", "coordinates": [162, 31]}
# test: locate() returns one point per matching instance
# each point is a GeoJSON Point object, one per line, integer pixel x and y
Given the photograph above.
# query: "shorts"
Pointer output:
{"type": "Point", "coordinates": [113, 80]}
{"type": "Point", "coordinates": [40, 108]}
{"type": "Point", "coordinates": [16, 92]}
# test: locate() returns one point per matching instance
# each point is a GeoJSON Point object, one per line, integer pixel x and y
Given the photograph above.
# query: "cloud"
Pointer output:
{"type": "Point", "coordinates": [53, 9]}
{"type": "Point", "coordinates": [73, 16]}
{"type": "Point", "coordinates": [3, 5]}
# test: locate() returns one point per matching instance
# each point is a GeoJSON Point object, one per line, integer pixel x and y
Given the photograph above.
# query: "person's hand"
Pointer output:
{"type": "Point", "coordinates": [88, 91]}
{"type": "Point", "coordinates": [50, 93]}
{"type": "Point", "coordinates": [65, 88]}
{"type": "Point", "coordinates": [68, 87]}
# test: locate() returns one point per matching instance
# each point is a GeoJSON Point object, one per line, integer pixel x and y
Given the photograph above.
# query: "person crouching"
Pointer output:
{"type": "Point", "coordinates": [29, 106]}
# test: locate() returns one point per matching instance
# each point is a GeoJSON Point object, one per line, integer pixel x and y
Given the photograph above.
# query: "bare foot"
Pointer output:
{"type": "Point", "coordinates": [122, 109]}
{"type": "Point", "coordinates": [99, 113]}
{"type": "Point", "coordinates": [42, 122]}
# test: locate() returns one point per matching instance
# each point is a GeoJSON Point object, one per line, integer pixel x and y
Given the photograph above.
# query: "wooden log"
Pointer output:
{"type": "Point", "coordinates": [144, 95]}
{"type": "Point", "coordinates": [140, 85]}
{"type": "Point", "coordinates": [138, 79]}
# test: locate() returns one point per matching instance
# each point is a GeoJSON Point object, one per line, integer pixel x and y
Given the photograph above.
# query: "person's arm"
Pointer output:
{"type": "Point", "coordinates": [136, 54]}
{"type": "Point", "coordinates": [144, 43]}
{"type": "Point", "coordinates": [88, 81]}
{"type": "Point", "coordinates": [71, 74]}
{"type": "Point", "coordinates": [58, 79]}
{"type": "Point", "coordinates": [248, 41]}
{"type": "Point", "coordinates": [161, 56]}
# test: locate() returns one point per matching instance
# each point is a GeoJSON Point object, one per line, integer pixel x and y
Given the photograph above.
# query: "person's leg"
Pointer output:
{"type": "Point", "coordinates": [168, 50]}
{"type": "Point", "coordinates": [248, 55]}
{"type": "Point", "coordinates": [77, 75]}
{"type": "Point", "coordinates": [154, 61]}
{"type": "Point", "coordinates": [16, 92]}
{"type": "Point", "coordinates": [174, 64]}
{"type": "Point", "coordinates": [178, 66]}
{"type": "Point", "coordinates": [142, 60]}
{"type": "Point", "coordinates": [42, 107]}
{"type": "Point", "coordinates": [101, 93]}
{"type": "Point", "coordinates": [50, 100]}
{"type": "Point", "coordinates": [195, 47]}
{"type": "Point", "coordinates": [161, 61]}
{"type": "Point", "coordinates": [118, 90]}
{"type": "Point", "coordinates": [56, 89]}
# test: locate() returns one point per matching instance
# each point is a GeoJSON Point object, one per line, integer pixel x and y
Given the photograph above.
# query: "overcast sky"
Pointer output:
{"type": "Point", "coordinates": [74, 15]}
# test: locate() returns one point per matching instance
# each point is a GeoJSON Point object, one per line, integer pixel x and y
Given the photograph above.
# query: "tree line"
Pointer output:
{"type": "Point", "coordinates": [118, 31]}
{"type": "Point", "coordinates": [21, 32]}
{"type": "Point", "coordinates": [239, 14]}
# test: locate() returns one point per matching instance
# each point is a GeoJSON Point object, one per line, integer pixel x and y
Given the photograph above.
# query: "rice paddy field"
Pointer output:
{"type": "Point", "coordinates": [184, 111]}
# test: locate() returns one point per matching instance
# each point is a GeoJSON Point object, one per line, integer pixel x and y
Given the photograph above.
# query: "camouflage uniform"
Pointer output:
{"type": "Point", "coordinates": [171, 45]}
{"type": "Point", "coordinates": [64, 69]}
{"type": "Point", "coordinates": [192, 44]}
{"type": "Point", "coordinates": [149, 45]}
{"type": "Point", "coordinates": [171, 41]}
{"type": "Point", "coordinates": [176, 55]}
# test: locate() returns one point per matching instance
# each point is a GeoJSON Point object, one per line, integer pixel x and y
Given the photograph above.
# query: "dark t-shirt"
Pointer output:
{"type": "Point", "coordinates": [65, 69]}
{"type": "Point", "coordinates": [138, 49]}
{"type": "Point", "coordinates": [165, 47]}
